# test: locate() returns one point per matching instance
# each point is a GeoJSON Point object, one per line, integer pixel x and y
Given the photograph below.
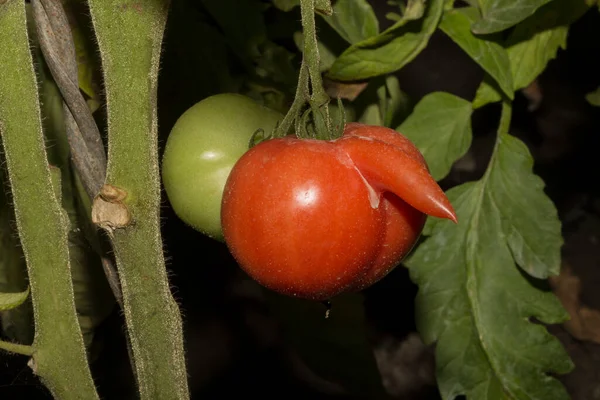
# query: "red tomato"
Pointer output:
{"type": "Point", "coordinates": [313, 218]}
{"type": "Point", "coordinates": [403, 222]}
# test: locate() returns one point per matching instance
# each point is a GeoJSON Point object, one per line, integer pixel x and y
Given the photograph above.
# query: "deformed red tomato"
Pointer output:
{"type": "Point", "coordinates": [314, 218]}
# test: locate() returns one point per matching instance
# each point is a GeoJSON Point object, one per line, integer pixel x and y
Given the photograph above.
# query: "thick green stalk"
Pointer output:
{"type": "Point", "coordinates": [311, 56]}
{"type": "Point", "coordinates": [129, 37]}
{"type": "Point", "coordinates": [59, 356]}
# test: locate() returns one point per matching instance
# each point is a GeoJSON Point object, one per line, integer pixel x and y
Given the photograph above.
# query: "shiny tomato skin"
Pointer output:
{"type": "Point", "coordinates": [373, 189]}
{"type": "Point", "coordinates": [299, 219]}
{"type": "Point", "coordinates": [403, 223]}
{"type": "Point", "coordinates": [202, 148]}
{"type": "Point", "coordinates": [386, 135]}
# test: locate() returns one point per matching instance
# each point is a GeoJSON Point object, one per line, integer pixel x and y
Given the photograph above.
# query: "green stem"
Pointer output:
{"type": "Point", "coordinates": [59, 357]}
{"type": "Point", "coordinates": [16, 348]}
{"type": "Point", "coordinates": [316, 122]}
{"type": "Point", "coordinates": [311, 56]}
{"type": "Point", "coordinates": [296, 108]}
{"type": "Point", "coordinates": [503, 129]}
{"type": "Point", "coordinates": [129, 36]}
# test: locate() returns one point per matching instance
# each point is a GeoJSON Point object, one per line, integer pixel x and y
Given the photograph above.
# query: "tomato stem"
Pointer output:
{"type": "Point", "coordinates": [299, 100]}
{"type": "Point", "coordinates": [311, 57]}
{"type": "Point", "coordinates": [309, 113]}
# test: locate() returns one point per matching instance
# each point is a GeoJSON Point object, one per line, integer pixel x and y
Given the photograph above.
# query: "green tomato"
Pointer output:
{"type": "Point", "coordinates": [202, 148]}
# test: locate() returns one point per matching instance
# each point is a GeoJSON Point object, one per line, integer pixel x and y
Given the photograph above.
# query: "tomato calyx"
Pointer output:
{"type": "Point", "coordinates": [310, 123]}
{"type": "Point", "coordinates": [309, 112]}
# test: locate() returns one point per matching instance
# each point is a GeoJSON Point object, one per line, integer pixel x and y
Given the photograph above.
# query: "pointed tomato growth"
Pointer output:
{"type": "Point", "coordinates": [313, 218]}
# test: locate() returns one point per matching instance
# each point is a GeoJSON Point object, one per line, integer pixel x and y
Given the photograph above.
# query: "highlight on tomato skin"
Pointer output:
{"type": "Point", "coordinates": [314, 218]}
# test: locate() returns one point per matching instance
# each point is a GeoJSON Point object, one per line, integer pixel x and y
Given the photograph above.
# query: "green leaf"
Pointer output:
{"type": "Point", "coordinates": [594, 97]}
{"type": "Point", "coordinates": [533, 43]}
{"type": "Point", "coordinates": [383, 103]}
{"type": "Point", "coordinates": [9, 301]}
{"type": "Point", "coordinates": [390, 50]}
{"type": "Point", "coordinates": [475, 302]}
{"type": "Point", "coordinates": [497, 15]}
{"type": "Point", "coordinates": [440, 126]}
{"type": "Point", "coordinates": [412, 9]}
{"type": "Point", "coordinates": [371, 115]}
{"type": "Point", "coordinates": [393, 102]}
{"type": "Point", "coordinates": [488, 92]}
{"type": "Point", "coordinates": [491, 56]}
{"type": "Point", "coordinates": [354, 20]}
{"type": "Point", "coordinates": [331, 347]}
{"type": "Point", "coordinates": [529, 58]}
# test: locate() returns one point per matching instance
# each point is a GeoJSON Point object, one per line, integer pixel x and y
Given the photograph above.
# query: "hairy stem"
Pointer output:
{"type": "Point", "coordinates": [311, 56]}
{"type": "Point", "coordinates": [85, 143]}
{"type": "Point", "coordinates": [58, 356]}
{"type": "Point", "coordinates": [16, 348]}
{"type": "Point", "coordinates": [315, 122]}
{"type": "Point", "coordinates": [296, 108]}
{"type": "Point", "coordinates": [129, 37]}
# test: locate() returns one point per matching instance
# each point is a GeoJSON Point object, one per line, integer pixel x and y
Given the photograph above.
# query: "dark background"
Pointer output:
{"type": "Point", "coordinates": [234, 345]}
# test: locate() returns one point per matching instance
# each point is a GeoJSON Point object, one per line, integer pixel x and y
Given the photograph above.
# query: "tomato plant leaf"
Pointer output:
{"type": "Point", "coordinates": [487, 92]}
{"type": "Point", "coordinates": [534, 42]}
{"type": "Point", "coordinates": [475, 302]}
{"type": "Point", "coordinates": [491, 56]}
{"type": "Point", "coordinates": [354, 20]}
{"type": "Point", "coordinates": [383, 103]}
{"type": "Point", "coordinates": [390, 50]}
{"type": "Point", "coordinates": [9, 301]}
{"type": "Point", "coordinates": [594, 97]}
{"type": "Point", "coordinates": [393, 102]}
{"type": "Point", "coordinates": [497, 15]}
{"type": "Point", "coordinates": [440, 126]}
{"type": "Point", "coordinates": [415, 9]}
{"type": "Point", "coordinates": [412, 9]}
{"type": "Point", "coordinates": [371, 115]}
